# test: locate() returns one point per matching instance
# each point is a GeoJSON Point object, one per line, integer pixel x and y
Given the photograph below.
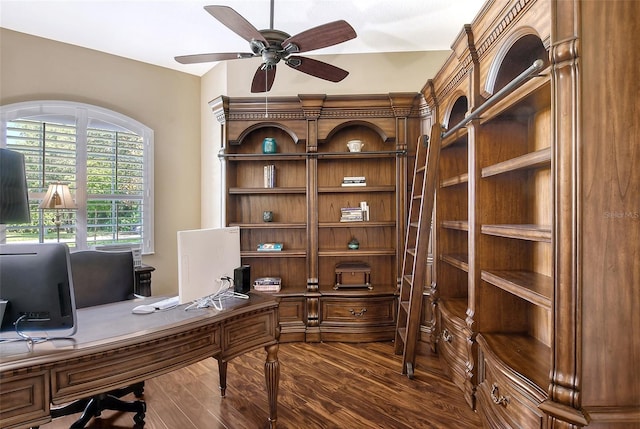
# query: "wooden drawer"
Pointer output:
{"type": "Point", "coordinates": [358, 311]}
{"type": "Point", "coordinates": [25, 398]}
{"type": "Point", "coordinates": [97, 373]}
{"type": "Point", "coordinates": [246, 333]}
{"type": "Point", "coordinates": [357, 319]}
{"type": "Point", "coordinates": [502, 400]}
{"type": "Point", "coordinates": [452, 336]}
{"type": "Point", "coordinates": [452, 346]}
{"type": "Point", "coordinates": [293, 319]}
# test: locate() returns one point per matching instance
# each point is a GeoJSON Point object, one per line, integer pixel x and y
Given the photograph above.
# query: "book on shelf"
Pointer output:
{"type": "Point", "coordinates": [365, 210]}
{"type": "Point", "coordinates": [354, 181]}
{"type": "Point", "coordinates": [267, 288]}
{"type": "Point", "coordinates": [355, 214]}
{"type": "Point", "coordinates": [269, 247]}
{"type": "Point", "coordinates": [270, 176]}
{"type": "Point", "coordinates": [351, 214]}
{"type": "Point", "coordinates": [267, 284]}
{"type": "Point", "coordinates": [267, 281]}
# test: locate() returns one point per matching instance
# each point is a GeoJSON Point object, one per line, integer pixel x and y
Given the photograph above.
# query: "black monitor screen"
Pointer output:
{"type": "Point", "coordinates": [36, 281]}
{"type": "Point", "coordinates": [14, 199]}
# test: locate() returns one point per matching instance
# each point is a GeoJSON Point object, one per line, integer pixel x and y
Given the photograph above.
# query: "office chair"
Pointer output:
{"type": "Point", "coordinates": [103, 277]}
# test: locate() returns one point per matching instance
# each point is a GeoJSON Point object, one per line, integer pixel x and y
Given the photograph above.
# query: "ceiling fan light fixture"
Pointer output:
{"type": "Point", "coordinates": [294, 62]}
{"type": "Point", "coordinates": [257, 46]}
{"type": "Point", "coordinates": [291, 48]}
{"type": "Point", "coordinates": [275, 45]}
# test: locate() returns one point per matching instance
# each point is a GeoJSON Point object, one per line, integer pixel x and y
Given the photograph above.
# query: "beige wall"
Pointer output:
{"type": "Point", "coordinates": [167, 101]}
{"type": "Point", "coordinates": [175, 106]}
{"type": "Point", "coordinates": [368, 74]}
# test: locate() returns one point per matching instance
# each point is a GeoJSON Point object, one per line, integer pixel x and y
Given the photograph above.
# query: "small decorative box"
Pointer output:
{"type": "Point", "coordinates": [353, 275]}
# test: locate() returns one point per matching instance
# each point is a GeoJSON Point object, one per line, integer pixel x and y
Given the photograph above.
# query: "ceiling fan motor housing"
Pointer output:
{"type": "Point", "coordinates": [272, 54]}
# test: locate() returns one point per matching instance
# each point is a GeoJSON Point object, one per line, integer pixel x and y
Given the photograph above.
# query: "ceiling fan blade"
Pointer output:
{"type": "Point", "coordinates": [263, 79]}
{"type": "Point", "coordinates": [236, 23]}
{"type": "Point", "coordinates": [205, 58]}
{"type": "Point", "coordinates": [317, 68]}
{"type": "Point", "coordinates": [321, 36]}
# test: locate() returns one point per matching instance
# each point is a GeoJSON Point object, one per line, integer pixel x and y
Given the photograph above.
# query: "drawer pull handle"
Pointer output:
{"type": "Point", "coordinates": [447, 336]}
{"type": "Point", "coordinates": [496, 397]}
{"type": "Point", "coordinates": [359, 313]}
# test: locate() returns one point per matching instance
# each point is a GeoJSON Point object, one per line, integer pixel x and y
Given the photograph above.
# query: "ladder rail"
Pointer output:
{"type": "Point", "coordinates": [406, 274]}
{"type": "Point", "coordinates": [410, 304]}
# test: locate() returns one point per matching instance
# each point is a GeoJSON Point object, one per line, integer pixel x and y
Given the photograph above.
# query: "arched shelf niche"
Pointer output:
{"type": "Point", "coordinates": [373, 137]}
{"type": "Point", "coordinates": [286, 139]}
{"type": "Point", "coordinates": [456, 112]}
{"type": "Point", "coordinates": [515, 56]}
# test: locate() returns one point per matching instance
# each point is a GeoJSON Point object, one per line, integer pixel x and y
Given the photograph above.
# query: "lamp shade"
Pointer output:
{"type": "Point", "coordinates": [58, 196]}
{"type": "Point", "coordinates": [14, 197]}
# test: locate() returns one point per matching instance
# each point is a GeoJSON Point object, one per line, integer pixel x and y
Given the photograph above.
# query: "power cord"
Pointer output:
{"type": "Point", "coordinates": [215, 300]}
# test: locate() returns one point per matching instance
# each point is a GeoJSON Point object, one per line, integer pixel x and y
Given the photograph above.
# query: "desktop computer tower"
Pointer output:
{"type": "Point", "coordinates": [242, 279]}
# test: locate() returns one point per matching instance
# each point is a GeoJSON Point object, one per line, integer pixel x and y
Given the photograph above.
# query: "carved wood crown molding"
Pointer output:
{"type": "Point", "coordinates": [260, 116]}
{"type": "Point", "coordinates": [312, 113]}
{"type": "Point", "coordinates": [512, 15]}
{"type": "Point", "coordinates": [220, 116]}
{"type": "Point", "coordinates": [424, 111]}
{"type": "Point", "coordinates": [321, 114]}
{"type": "Point", "coordinates": [465, 64]}
{"type": "Point", "coordinates": [358, 113]}
{"type": "Point", "coordinates": [476, 52]}
{"type": "Point", "coordinates": [459, 76]}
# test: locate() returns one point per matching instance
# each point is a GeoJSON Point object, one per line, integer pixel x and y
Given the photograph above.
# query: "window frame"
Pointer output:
{"type": "Point", "coordinates": [84, 114]}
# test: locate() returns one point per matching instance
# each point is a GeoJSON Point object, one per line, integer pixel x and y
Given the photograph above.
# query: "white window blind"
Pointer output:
{"type": "Point", "coordinates": [105, 158]}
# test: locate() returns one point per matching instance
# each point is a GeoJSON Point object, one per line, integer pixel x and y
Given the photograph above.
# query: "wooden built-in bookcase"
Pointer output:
{"type": "Point", "coordinates": [312, 159]}
{"type": "Point", "coordinates": [536, 284]}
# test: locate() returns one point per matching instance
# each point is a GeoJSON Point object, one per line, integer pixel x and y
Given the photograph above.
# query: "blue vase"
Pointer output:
{"type": "Point", "coordinates": [269, 145]}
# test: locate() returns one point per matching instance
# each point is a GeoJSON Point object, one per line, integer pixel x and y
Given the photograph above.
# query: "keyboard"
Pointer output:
{"type": "Point", "coordinates": [166, 303]}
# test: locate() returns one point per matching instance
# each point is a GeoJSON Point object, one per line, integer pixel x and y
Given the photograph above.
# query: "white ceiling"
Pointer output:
{"type": "Point", "coordinates": [154, 31]}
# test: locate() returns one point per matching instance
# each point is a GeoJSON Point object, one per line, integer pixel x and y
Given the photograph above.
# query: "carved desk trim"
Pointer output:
{"type": "Point", "coordinates": [114, 348]}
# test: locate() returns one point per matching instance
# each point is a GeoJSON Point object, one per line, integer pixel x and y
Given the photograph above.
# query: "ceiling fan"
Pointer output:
{"type": "Point", "coordinates": [275, 45]}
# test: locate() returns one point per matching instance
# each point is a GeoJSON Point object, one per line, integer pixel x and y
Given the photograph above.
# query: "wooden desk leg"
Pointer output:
{"type": "Point", "coordinates": [272, 376]}
{"type": "Point", "coordinates": [222, 371]}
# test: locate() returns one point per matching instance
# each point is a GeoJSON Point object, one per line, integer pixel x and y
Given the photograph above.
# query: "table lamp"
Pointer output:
{"type": "Point", "coordinates": [58, 197]}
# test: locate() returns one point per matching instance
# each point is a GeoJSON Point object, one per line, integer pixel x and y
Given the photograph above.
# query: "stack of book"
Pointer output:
{"type": "Point", "coordinates": [351, 214]}
{"type": "Point", "coordinates": [269, 247]}
{"type": "Point", "coordinates": [267, 284]}
{"type": "Point", "coordinates": [354, 181]}
{"type": "Point", "coordinates": [270, 176]}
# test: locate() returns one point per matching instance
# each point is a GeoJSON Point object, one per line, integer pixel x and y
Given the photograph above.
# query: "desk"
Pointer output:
{"type": "Point", "coordinates": [114, 348]}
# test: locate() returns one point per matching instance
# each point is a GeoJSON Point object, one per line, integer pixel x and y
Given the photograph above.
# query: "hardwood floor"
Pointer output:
{"type": "Point", "coordinates": [322, 385]}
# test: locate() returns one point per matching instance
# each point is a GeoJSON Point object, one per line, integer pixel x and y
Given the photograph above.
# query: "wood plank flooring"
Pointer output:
{"type": "Point", "coordinates": [322, 385]}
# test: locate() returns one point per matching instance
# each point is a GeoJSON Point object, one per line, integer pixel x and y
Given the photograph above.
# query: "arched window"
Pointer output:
{"type": "Point", "coordinates": [105, 157]}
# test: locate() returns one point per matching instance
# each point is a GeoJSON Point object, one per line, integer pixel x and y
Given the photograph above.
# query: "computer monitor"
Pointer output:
{"type": "Point", "coordinates": [36, 281]}
{"type": "Point", "coordinates": [205, 256]}
{"type": "Point", "coordinates": [14, 199]}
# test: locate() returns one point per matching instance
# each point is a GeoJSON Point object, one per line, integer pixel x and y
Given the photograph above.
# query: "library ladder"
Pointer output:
{"type": "Point", "coordinates": [416, 247]}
